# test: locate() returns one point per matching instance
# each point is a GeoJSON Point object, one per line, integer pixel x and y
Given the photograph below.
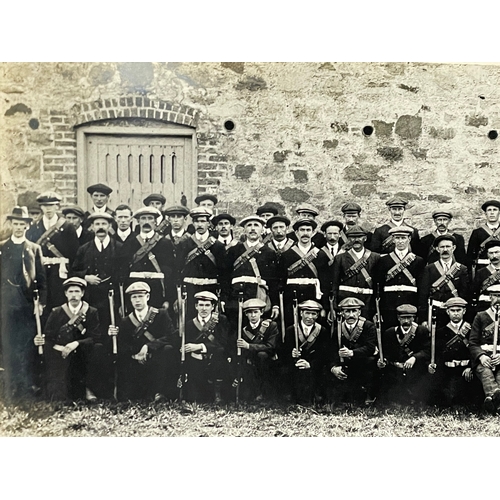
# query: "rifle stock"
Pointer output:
{"type": "Point", "coordinates": [282, 316]}
{"type": "Point", "coordinates": [181, 292]}
{"type": "Point", "coordinates": [433, 335]}
{"type": "Point", "coordinates": [111, 299]}
{"type": "Point", "coordinates": [378, 326]}
{"type": "Point", "coordinates": [296, 319]}
{"type": "Point", "coordinates": [36, 304]}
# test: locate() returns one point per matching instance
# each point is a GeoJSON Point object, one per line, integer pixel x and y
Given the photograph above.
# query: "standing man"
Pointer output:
{"type": "Point", "coordinates": [279, 242]}
{"type": "Point", "coordinates": [353, 272]}
{"type": "Point", "coordinates": [151, 259]}
{"type": "Point", "coordinates": [442, 280]}
{"type": "Point", "coordinates": [489, 230]}
{"type": "Point", "coordinates": [21, 272]}
{"type": "Point", "coordinates": [442, 219]}
{"type": "Point", "coordinates": [487, 276]}
{"type": "Point", "coordinates": [178, 231]}
{"type": "Point", "coordinates": [351, 213]}
{"type": "Point", "coordinates": [484, 362]}
{"type": "Point", "coordinates": [265, 212]}
{"type": "Point", "coordinates": [224, 225]}
{"type": "Point", "coordinates": [75, 215]}
{"type": "Point", "coordinates": [99, 193]}
{"type": "Point", "coordinates": [307, 211]}
{"type": "Point", "coordinates": [398, 275]}
{"type": "Point", "coordinates": [148, 354]}
{"type": "Point", "coordinates": [35, 212]}
{"type": "Point", "coordinates": [59, 243]}
{"type": "Point", "coordinates": [332, 230]}
{"type": "Point", "coordinates": [155, 200]}
{"type": "Point", "coordinates": [383, 239]}
{"type": "Point", "coordinates": [123, 221]}
{"type": "Point", "coordinates": [207, 201]}
{"type": "Point", "coordinates": [354, 363]}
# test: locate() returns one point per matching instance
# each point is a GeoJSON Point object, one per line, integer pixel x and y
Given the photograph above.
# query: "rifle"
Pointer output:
{"type": "Point", "coordinates": [181, 292]}
{"type": "Point", "coordinates": [111, 298]}
{"type": "Point", "coordinates": [473, 269]}
{"type": "Point", "coordinates": [332, 314]}
{"type": "Point", "coordinates": [36, 303]}
{"type": "Point", "coordinates": [433, 336]}
{"type": "Point", "coordinates": [282, 316]}
{"type": "Point", "coordinates": [495, 334]}
{"type": "Point", "coordinates": [238, 350]}
{"type": "Point", "coordinates": [339, 336]}
{"type": "Point", "coordinates": [378, 325]}
{"type": "Point", "coordinates": [122, 301]}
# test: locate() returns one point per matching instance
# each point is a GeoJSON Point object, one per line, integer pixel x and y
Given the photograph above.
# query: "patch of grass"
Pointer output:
{"type": "Point", "coordinates": [264, 420]}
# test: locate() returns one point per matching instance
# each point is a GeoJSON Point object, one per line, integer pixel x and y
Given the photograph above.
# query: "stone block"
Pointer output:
{"type": "Point", "coordinates": [244, 171]}
{"type": "Point", "coordinates": [293, 195]}
{"type": "Point", "coordinates": [409, 127]}
{"type": "Point", "coordinates": [391, 154]}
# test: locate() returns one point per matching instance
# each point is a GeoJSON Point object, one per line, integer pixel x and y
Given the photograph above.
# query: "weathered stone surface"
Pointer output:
{"type": "Point", "coordinates": [18, 108]}
{"type": "Point", "coordinates": [251, 83]}
{"type": "Point", "coordinates": [407, 196]}
{"type": "Point", "coordinates": [363, 189]}
{"type": "Point", "coordinates": [136, 75]}
{"type": "Point", "coordinates": [330, 144]}
{"type": "Point", "coordinates": [382, 129]}
{"type": "Point", "coordinates": [244, 171]}
{"type": "Point", "coordinates": [237, 67]}
{"type": "Point", "coordinates": [409, 127]}
{"type": "Point", "coordinates": [420, 154]}
{"type": "Point", "coordinates": [340, 127]}
{"type": "Point", "coordinates": [408, 88]}
{"type": "Point", "coordinates": [362, 173]}
{"type": "Point", "coordinates": [34, 123]}
{"type": "Point", "coordinates": [101, 74]}
{"type": "Point", "coordinates": [280, 156]}
{"type": "Point", "coordinates": [293, 195]}
{"type": "Point", "coordinates": [439, 198]}
{"type": "Point", "coordinates": [476, 120]}
{"type": "Point", "coordinates": [390, 153]}
{"type": "Point", "coordinates": [442, 133]}
{"type": "Point", "coordinates": [300, 176]}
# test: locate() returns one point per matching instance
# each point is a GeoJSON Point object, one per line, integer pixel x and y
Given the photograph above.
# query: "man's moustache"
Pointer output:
{"type": "Point", "coordinates": [147, 226]}
{"type": "Point", "coordinates": [101, 231]}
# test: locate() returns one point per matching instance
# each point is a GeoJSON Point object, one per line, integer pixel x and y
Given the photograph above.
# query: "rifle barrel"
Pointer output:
{"type": "Point", "coordinates": [36, 304]}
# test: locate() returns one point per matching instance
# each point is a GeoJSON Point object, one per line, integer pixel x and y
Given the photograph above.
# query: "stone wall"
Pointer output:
{"type": "Point", "coordinates": [324, 133]}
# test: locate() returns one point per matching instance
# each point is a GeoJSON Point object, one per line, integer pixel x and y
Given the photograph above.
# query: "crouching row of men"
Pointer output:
{"type": "Point", "coordinates": [307, 363]}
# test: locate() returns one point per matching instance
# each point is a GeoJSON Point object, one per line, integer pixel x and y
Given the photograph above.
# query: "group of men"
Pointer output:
{"type": "Point", "coordinates": [94, 306]}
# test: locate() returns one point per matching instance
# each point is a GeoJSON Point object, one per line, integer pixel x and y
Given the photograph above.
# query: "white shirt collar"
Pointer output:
{"type": "Point", "coordinates": [492, 226]}
{"type": "Point", "coordinates": [79, 231]}
{"type": "Point", "coordinates": [123, 234]}
{"type": "Point", "coordinates": [202, 237]}
{"type": "Point", "coordinates": [401, 254]}
{"type": "Point", "coordinates": [202, 321]}
{"type": "Point", "coordinates": [358, 254]}
{"type": "Point", "coordinates": [306, 329]}
{"type": "Point", "coordinates": [226, 240]}
{"type": "Point", "coordinates": [48, 223]}
{"type": "Point", "coordinates": [18, 241]}
{"type": "Point", "coordinates": [304, 250]}
{"type": "Point", "coordinates": [179, 233]}
{"type": "Point", "coordinates": [74, 310]}
{"type": "Point", "coordinates": [101, 210]}
{"type": "Point", "coordinates": [148, 235]}
{"type": "Point", "coordinates": [141, 314]}
{"type": "Point", "coordinates": [253, 326]}
{"type": "Point", "coordinates": [398, 223]}
{"type": "Point", "coordinates": [105, 242]}
{"type": "Point", "coordinates": [252, 243]}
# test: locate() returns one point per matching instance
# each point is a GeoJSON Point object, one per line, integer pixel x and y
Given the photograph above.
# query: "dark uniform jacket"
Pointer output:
{"type": "Point", "coordinates": [481, 334]}
{"type": "Point", "coordinates": [485, 277]}
{"type": "Point", "coordinates": [429, 253]}
{"type": "Point", "coordinates": [86, 224]}
{"type": "Point", "coordinates": [85, 236]}
{"type": "Point", "coordinates": [263, 338]}
{"type": "Point", "coordinates": [214, 334]}
{"type": "Point", "coordinates": [416, 343]}
{"type": "Point", "coordinates": [451, 346]}
{"type": "Point", "coordinates": [475, 248]}
{"type": "Point", "coordinates": [318, 238]}
{"type": "Point", "coordinates": [382, 241]}
{"type": "Point", "coordinates": [344, 241]}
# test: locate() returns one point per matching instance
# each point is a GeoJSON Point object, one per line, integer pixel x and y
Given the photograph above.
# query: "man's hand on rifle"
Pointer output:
{"type": "Point", "coordinates": [408, 364]}
{"type": "Point", "coordinates": [302, 364]}
{"type": "Point", "coordinates": [113, 330]}
{"type": "Point", "coordinates": [337, 371]}
{"type": "Point", "coordinates": [468, 374]}
{"type": "Point", "coordinates": [275, 312]}
{"type": "Point", "coordinates": [142, 355]}
{"type": "Point", "coordinates": [296, 353]}
{"type": "Point", "coordinates": [166, 305]}
{"type": "Point", "coordinates": [345, 353]}
{"type": "Point", "coordinates": [495, 359]}
{"type": "Point", "coordinates": [222, 306]}
{"type": "Point", "coordinates": [381, 364]}
{"type": "Point", "coordinates": [40, 309]}
{"type": "Point", "coordinates": [193, 347]}
{"type": "Point", "coordinates": [242, 344]}
{"type": "Point", "coordinates": [39, 340]}
{"type": "Point", "coordinates": [425, 325]}
{"type": "Point", "coordinates": [485, 361]}
{"type": "Point", "coordinates": [69, 348]}
{"type": "Point", "coordinates": [92, 279]}
{"type": "Point", "coordinates": [432, 368]}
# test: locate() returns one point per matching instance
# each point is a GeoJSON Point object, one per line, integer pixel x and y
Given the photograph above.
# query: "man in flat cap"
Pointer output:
{"type": "Point", "coordinates": [442, 280]}
{"type": "Point", "coordinates": [307, 359]}
{"type": "Point", "coordinates": [200, 259]}
{"type": "Point", "coordinates": [224, 224]}
{"type": "Point", "coordinates": [59, 243]}
{"type": "Point", "coordinates": [151, 259]}
{"type": "Point", "coordinates": [398, 275]}
{"type": "Point", "coordinates": [35, 212]}
{"type": "Point", "coordinates": [99, 194]}
{"type": "Point", "coordinates": [452, 373]}
{"type": "Point", "coordinates": [307, 211]}
{"type": "Point", "coordinates": [382, 241]}
{"type": "Point", "coordinates": [266, 211]}
{"type": "Point", "coordinates": [490, 230]}
{"type": "Point", "coordinates": [148, 349]}
{"type": "Point", "coordinates": [406, 350]}
{"type": "Point", "coordinates": [258, 348]}
{"type": "Point", "coordinates": [351, 213]}
{"type": "Point", "coordinates": [207, 351]}
{"type": "Point", "coordinates": [178, 231]}
{"type": "Point", "coordinates": [21, 273]}
{"type": "Point", "coordinates": [442, 219]}
{"type": "Point", "coordinates": [124, 219]}
{"type": "Point", "coordinates": [207, 201]}
{"type": "Point", "coordinates": [75, 215]}
{"type": "Point", "coordinates": [353, 363]}
{"type": "Point", "coordinates": [72, 346]}
{"type": "Point", "coordinates": [279, 242]}
{"type": "Point", "coordinates": [353, 272]}
{"type": "Point", "coordinates": [332, 230]}
{"type": "Point", "coordinates": [156, 200]}
{"type": "Point", "coordinates": [305, 269]}
{"type": "Point", "coordinates": [486, 277]}
{"type": "Point", "coordinates": [251, 270]}
{"type": "Point", "coordinates": [482, 351]}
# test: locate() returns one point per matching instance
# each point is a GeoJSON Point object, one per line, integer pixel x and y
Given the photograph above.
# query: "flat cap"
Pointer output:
{"type": "Point", "coordinates": [444, 237]}
{"type": "Point", "coordinates": [177, 210]}
{"type": "Point", "coordinates": [396, 202]}
{"type": "Point", "coordinates": [310, 305]}
{"type": "Point", "coordinates": [405, 230]}
{"type": "Point", "coordinates": [204, 197]}
{"type": "Point", "coordinates": [219, 217]}
{"type": "Point", "coordinates": [19, 213]}
{"type": "Point", "coordinates": [154, 197]}
{"type": "Point", "coordinates": [305, 222]}
{"type": "Point", "coordinates": [245, 220]}
{"type": "Point", "coordinates": [406, 310]}
{"type": "Point", "coordinates": [351, 303]}
{"type": "Point", "coordinates": [490, 203]}
{"type": "Point", "coordinates": [75, 281]}
{"type": "Point", "coordinates": [268, 208]}
{"type": "Point", "coordinates": [99, 188]}
{"type": "Point", "coordinates": [493, 289]}
{"type": "Point", "coordinates": [104, 215]}
{"type": "Point", "coordinates": [206, 295]}
{"type": "Point", "coordinates": [278, 218]}
{"type": "Point", "coordinates": [253, 304]}
{"type": "Point", "coordinates": [74, 209]}
{"type": "Point", "coordinates": [442, 213]}
{"type": "Point", "coordinates": [455, 302]}
{"type": "Point", "coordinates": [491, 244]}
{"type": "Point", "coordinates": [48, 198]}
{"type": "Point", "coordinates": [350, 207]}
{"type": "Point", "coordinates": [147, 211]}
{"type": "Point", "coordinates": [355, 231]}
{"type": "Point", "coordinates": [329, 223]}
{"type": "Point", "coordinates": [307, 208]}
{"type": "Point", "coordinates": [34, 208]}
{"type": "Point", "coordinates": [198, 212]}
{"type": "Point", "coordinates": [138, 287]}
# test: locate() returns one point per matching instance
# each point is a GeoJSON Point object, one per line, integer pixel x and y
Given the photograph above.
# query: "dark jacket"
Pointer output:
{"type": "Point", "coordinates": [362, 341]}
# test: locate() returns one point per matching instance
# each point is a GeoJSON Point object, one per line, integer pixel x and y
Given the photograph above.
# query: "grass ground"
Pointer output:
{"type": "Point", "coordinates": [264, 420]}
